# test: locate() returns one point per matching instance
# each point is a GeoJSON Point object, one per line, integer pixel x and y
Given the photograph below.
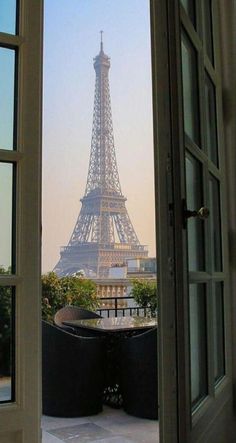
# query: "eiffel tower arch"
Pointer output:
{"type": "Point", "coordinates": [103, 235]}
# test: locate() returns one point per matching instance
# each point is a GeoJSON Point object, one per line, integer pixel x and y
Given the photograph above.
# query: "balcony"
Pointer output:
{"type": "Point", "coordinates": [112, 425]}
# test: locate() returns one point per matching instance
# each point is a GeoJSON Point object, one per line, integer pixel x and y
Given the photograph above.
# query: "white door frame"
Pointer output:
{"type": "Point", "coordinates": [20, 420]}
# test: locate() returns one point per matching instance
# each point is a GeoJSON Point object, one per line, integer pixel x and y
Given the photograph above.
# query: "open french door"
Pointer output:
{"type": "Point", "coordinates": [20, 203]}
{"type": "Point", "coordinates": [195, 380]}
{"type": "Point", "coordinates": [201, 253]}
{"type": "Point", "coordinates": [208, 325]}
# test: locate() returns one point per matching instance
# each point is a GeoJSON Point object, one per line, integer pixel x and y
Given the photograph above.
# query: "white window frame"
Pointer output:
{"type": "Point", "coordinates": [20, 420]}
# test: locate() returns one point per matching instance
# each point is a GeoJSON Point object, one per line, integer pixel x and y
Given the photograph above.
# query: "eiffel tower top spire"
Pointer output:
{"type": "Point", "coordinates": [101, 32]}
{"type": "Point", "coordinates": [103, 174]}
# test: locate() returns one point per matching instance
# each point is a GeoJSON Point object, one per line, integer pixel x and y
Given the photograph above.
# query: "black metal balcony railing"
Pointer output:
{"type": "Point", "coordinates": [117, 310]}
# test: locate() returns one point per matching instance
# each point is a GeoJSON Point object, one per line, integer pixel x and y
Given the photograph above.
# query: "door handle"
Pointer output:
{"type": "Point", "coordinates": [202, 213]}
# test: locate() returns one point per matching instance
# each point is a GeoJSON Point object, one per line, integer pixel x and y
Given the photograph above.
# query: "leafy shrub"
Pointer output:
{"type": "Point", "coordinates": [61, 291]}
{"type": "Point", "coordinates": [145, 294]}
{"type": "Point", "coordinates": [56, 293]}
{"type": "Point", "coordinates": [5, 326]}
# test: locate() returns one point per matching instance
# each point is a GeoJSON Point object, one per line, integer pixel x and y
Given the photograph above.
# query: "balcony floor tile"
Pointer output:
{"type": "Point", "coordinates": [110, 426]}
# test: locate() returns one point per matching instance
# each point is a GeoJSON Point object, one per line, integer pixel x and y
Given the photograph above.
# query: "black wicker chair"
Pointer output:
{"type": "Point", "coordinates": [138, 374]}
{"type": "Point", "coordinates": [72, 373]}
{"type": "Point", "coordinates": [71, 312]}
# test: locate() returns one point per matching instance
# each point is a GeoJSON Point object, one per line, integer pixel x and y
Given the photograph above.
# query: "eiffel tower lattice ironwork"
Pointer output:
{"type": "Point", "coordinates": [103, 235]}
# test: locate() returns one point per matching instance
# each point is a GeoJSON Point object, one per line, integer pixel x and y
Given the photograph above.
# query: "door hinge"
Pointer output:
{"type": "Point", "coordinates": [171, 264]}
{"type": "Point", "coordinates": [168, 164]}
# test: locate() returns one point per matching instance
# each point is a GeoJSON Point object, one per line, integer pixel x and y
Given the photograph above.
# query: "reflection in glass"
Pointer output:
{"type": "Point", "coordinates": [211, 122]}
{"type": "Point", "coordinates": [8, 16]}
{"type": "Point", "coordinates": [6, 196]}
{"type": "Point", "coordinates": [196, 253]}
{"type": "Point", "coordinates": [7, 92]}
{"type": "Point", "coordinates": [190, 90]}
{"type": "Point", "coordinates": [215, 224]}
{"type": "Point", "coordinates": [207, 29]}
{"type": "Point", "coordinates": [189, 6]}
{"type": "Point", "coordinates": [6, 344]}
{"type": "Point", "coordinates": [218, 330]}
{"type": "Point", "coordinates": [198, 342]}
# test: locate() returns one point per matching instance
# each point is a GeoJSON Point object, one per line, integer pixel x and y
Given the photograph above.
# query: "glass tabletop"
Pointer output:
{"type": "Point", "coordinates": [113, 324]}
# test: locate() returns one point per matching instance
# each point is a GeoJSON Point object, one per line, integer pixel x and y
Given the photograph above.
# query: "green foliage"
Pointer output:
{"type": "Point", "coordinates": [5, 326]}
{"type": "Point", "coordinates": [5, 271]}
{"type": "Point", "coordinates": [61, 291]}
{"type": "Point", "coordinates": [56, 293]}
{"type": "Point", "coordinates": [5, 308]}
{"type": "Point", "coordinates": [145, 294]}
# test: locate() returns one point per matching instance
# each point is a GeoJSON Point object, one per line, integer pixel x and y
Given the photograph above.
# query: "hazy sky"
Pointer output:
{"type": "Point", "coordinates": [7, 66]}
{"type": "Point", "coordinates": [7, 78]}
{"type": "Point", "coordinates": [71, 41]}
{"type": "Point", "coordinates": [6, 176]}
{"type": "Point", "coordinates": [8, 16]}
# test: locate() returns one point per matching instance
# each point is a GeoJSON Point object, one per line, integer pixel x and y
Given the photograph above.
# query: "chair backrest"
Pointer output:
{"type": "Point", "coordinates": [138, 370]}
{"type": "Point", "coordinates": [72, 373]}
{"type": "Point", "coordinates": [72, 313]}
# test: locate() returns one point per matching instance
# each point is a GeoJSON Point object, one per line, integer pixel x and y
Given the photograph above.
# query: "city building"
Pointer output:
{"type": "Point", "coordinates": [119, 283]}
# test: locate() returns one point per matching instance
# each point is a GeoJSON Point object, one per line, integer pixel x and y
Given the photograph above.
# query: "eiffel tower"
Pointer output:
{"type": "Point", "coordinates": [103, 235]}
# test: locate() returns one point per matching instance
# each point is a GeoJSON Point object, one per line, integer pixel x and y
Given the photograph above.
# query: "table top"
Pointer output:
{"type": "Point", "coordinates": [114, 324]}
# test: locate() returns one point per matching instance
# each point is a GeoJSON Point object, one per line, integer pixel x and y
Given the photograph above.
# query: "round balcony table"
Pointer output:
{"type": "Point", "coordinates": [114, 329]}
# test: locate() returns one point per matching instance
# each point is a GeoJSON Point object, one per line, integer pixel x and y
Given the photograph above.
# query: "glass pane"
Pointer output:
{"type": "Point", "coordinates": [190, 90]}
{"type": "Point", "coordinates": [7, 93]}
{"type": "Point", "coordinates": [189, 6]}
{"type": "Point", "coordinates": [198, 342]}
{"type": "Point", "coordinates": [218, 331]}
{"type": "Point", "coordinates": [207, 29]}
{"type": "Point", "coordinates": [215, 224]}
{"type": "Point", "coordinates": [6, 207]}
{"type": "Point", "coordinates": [211, 122]}
{"type": "Point", "coordinates": [196, 253]}
{"type": "Point", "coordinates": [6, 344]}
{"type": "Point", "coordinates": [8, 16]}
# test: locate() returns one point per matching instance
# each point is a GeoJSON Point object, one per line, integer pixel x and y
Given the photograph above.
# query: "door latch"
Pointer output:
{"type": "Point", "coordinates": [202, 213]}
